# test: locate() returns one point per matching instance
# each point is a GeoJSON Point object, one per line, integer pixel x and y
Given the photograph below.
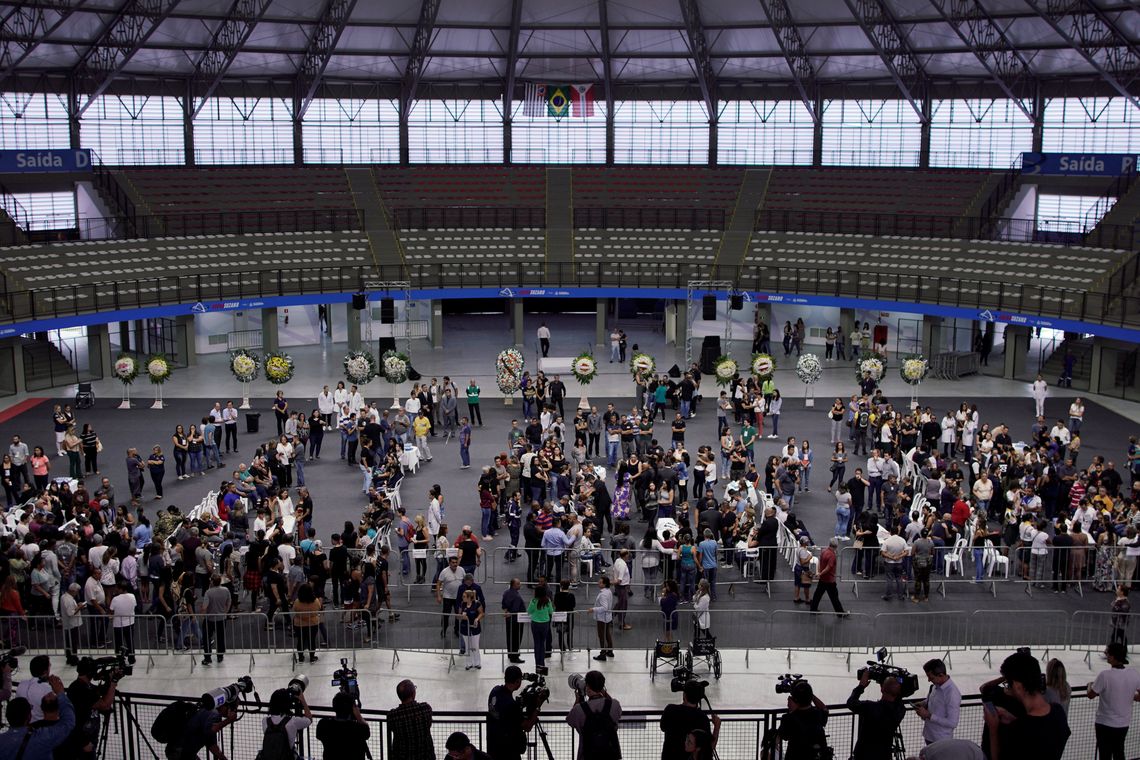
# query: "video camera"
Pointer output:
{"type": "Point", "coordinates": [534, 694]}
{"type": "Point", "coordinates": [682, 677]}
{"type": "Point", "coordinates": [785, 682]}
{"type": "Point", "coordinates": [229, 694]}
{"type": "Point", "coordinates": [8, 657]}
{"type": "Point", "coordinates": [345, 680]}
{"type": "Point", "coordinates": [111, 668]}
{"type": "Point", "coordinates": [879, 671]}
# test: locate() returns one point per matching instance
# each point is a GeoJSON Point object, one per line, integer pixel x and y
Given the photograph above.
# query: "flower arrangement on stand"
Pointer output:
{"type": "Point", "coordinates": [158, 371]}
{"type": "Point", "coordinates": [725, 369]}
{"type": "Point", "coordinates": [809, 370]}
{"type": "Point", "coordinates": [642, 366]}
{"type": "Point", "coordinates": [763, 365]}
{"type": "Point", "coordinates": [395, 366]}
{"type": "Point", "coordinates": [360, 367]}
{"type": "Point", "coordinates": [279, 367]}
{"type": "Point", "coordinates": [508, 372]}
{"type": "Point", "coordinates": [913, 372]}
{"type": "Point", "coordinates": [244, 366]}
{"type": "Point", "coordinates": [126, 369]}
{"type": "Point", "coordinates": [873, 363]}
{"type": "Point", "coordinates": [585, 369]}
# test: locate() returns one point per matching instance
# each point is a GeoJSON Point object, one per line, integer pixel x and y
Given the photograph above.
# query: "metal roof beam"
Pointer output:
{"type": "Point", "coordinates": [22, 31]}
{"type": "Point", "coordinates": [417, 54]}
{"type": "Point", "coordinates": [795, 52]}
{"type": "Point", "coordinates": [1094, 35]}
{"type": "Point", "coordinates": [322, 45]}
{"type": "Point", "coordinates": [229, 38]}
{"type": "Point", "coordinates": [127, 33]}
{"type": "Point", "coordinates": [889, 41]}
{"type": "Point", "coordinates": [607, 54]}
{"type": "Point", "coordinates": [700, 55]}
{"type": "Point", "coordinates": [1007, 66]}
{"type": "Point", "coordinates": [512, 57]}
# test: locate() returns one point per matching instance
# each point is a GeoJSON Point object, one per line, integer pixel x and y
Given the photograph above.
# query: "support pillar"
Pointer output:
{"type": "Point", "coordinates": [184, 340]}
{"type": "Point", "coordinates": [436, 308]}
{"type": "Point", "coordinates": [931, 335]}
{"type": "Point", "coordinates": [846, 322]}
{"type": "Point", "coordinates": [682, 324]}
{"type": "Point", "coordinates": [99, 350]}
{"type": "Point", "coordinates": [125, 336]}
{"type": "Point", "coordinates": [1098, 357]}
{"type": "Point", "coordinates": [601, 337]}
{"type": "Point", "coordinates": [352, 327]}
{"type": "Point", "coordinates": [1016, 347]}
{"type": "Point", "coordinates": [517, 321]}
{"type": "Point", "coordinates": [138, 339]}
{"type": "Point", "coordinates": [270, 340]}
{"type": "Point", "coordinates": [13, 347]}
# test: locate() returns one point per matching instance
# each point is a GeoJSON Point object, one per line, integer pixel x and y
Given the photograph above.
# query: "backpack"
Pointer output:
{"type": "Point", "coordinates": [275, 745]}
{"type": "Point", "coordinates": [170, 724]}
{"type": "Point", "coordinates": [599, 734]}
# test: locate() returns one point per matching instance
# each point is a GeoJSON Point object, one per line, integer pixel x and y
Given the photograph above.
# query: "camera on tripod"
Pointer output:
{"type": "Point", "coordinates": [229, 694]}
{"type": "Point", "coordinates": [110, 668]}
{"type": "Point", "coordinates": [785, 682]}
{"type": "Point", "coordinates": [534, 694]}
{"type": "Point", "coordinates": [345, 680]}
{"type": "Point", "coordinates": [682, 677]}
{"type": "Point", "coordinates": [879, 671]}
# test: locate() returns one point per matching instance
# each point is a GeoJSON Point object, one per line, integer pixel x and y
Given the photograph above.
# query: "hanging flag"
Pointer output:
{"type": "Point", "coordinates": [558, 100]}
{"type": "Point", "coordinates": [583, 100]}
{"type": "Point", "coordinates": [534, 103]}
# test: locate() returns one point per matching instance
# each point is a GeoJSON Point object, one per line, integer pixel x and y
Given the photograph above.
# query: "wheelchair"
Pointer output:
{"type": "Point", "coordinates": [703, 647]}
{"type": "Point", "coordinates": [665, 653]}
{"type": "Point", "coordinates": [84, 396]}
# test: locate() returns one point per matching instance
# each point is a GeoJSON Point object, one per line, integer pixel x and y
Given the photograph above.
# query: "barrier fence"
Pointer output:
{"type": "Point", "coordinates": [741, 735]}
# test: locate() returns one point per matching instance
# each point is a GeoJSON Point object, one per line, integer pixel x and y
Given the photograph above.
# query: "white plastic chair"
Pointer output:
{"type": "Point", "coordinates": [954, 558]}
{"type": "Point", "coordinates": [751, 560]}
{"type": "Point", "coordinates": [394, 494]}
{"type": "Point", "coordinates": [995, 559]}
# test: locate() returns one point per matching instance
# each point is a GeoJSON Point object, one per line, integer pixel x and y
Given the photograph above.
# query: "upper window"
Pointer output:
{"type": "Point", "coordinates": [661, 132]}
{"type": "Point", "coordinates": [135, 129]}
{"type": "Point", "coordinates": [978, 133]}
{"type": "Point", "coordinates": [33, 120]}
{"type": "Point", "coordinates": [1110, 125]}
{"type": "Point", "coordinates": [871, 133]}
{"type": "Point", "coordinates": [352, 131]}
{"type": "Point", "coordinates": [765, 132]}
{"type": "Point", "coordinates": [244, 131]}
{"type": "Point", "coordinates": [569, 140]}
{"type": "Point", "coordinates": [455, 132]}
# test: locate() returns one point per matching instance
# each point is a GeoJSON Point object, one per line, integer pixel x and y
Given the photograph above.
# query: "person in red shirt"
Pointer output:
{"type": "Point", "coordinates": [827, 565]}
{"type": "Point", "coordinates": [960, 513]}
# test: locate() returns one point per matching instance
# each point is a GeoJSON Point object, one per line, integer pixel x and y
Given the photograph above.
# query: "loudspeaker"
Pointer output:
{"type": "Point", "coordinates": [708, 308]}
{"type": "Point", "coordinates": [387, 311]}
{"type": "Point", "coordinates": [710, 352]}
{"type": "Point", "coordinates": [384, 345]}
{"type": "Point", "coordinates": [359, 301]}
{"type": "Point", "coordinates": [736, 302]}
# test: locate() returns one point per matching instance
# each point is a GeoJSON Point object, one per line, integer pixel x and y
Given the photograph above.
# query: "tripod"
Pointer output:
{"type": "Point", "coordinates": [898, 746]}
{"type": "Point", "coordinates": [533, 745]}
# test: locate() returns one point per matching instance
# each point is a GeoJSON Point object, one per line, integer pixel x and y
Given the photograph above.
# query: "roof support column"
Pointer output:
{"type": "Point", "coordinates": [300, 103]}
{"type": "Point", "coordinates": [817, 132]}
{"type": "Point", "coordinates": [188, 123]}
{"type": "Point", "coordinates": [1038, 120]}
{"type": "Point", "coordinates": [924, 140]}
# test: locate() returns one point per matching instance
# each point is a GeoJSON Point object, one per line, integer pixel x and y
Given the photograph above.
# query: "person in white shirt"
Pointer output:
{"type": "Point", "coordinates": [619, 574]}
{"type": "Point", "coordinates": [34, 689]}
{"type": "Point", "coordinates": [229, 425]}
{"type": "Point", "coordinates": [1076, 415]}
{"type": "Point", "coordinates": [340, 395]}
{"type": "Point", "coordinates": [288, 555]}
{"type": "Point", "coordinates": [412, 405]}
{"type": "Point", "coordinates": [355, 400]}
{"type": "Point", "coordinates": [123, 621]}
{"type": "Point", "coordinates": [544, 339]}
{"type": "Point", "coordinates": [604, 616]}
{"type": "Point", "coordinates": [1061, 433]}
{"type": "Point", "coordinates": [326, 405]}
{"type": "Point", "coordinates": [615, 342]}
{"type": "Point", "coordinates": [1118, 687]}
{"type": "Point", "coordinates": [96, 600]}
{"type": "Point", "coordinates": [1040, 392]}
{"type": "Point", "coordinates": [942, 706]}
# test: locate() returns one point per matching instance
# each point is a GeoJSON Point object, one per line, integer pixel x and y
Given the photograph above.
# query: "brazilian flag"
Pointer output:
{"type": "Point", "coordinates": [558, 100]}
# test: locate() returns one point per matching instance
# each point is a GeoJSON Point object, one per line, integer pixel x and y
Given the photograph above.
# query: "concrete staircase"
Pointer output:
{"type": "Point", "coordinates": [45, 366]}
{"type": "Point", "coordinates": [738, 233]}
{"type": "Point", "coordinates": [1124, 213]}
{"type": "Point", "coordinates": [1081, 348]}
{"type": "Point", "coordinates": [559, 217]}
{"type": "Point", "coordinates": [383, 241]}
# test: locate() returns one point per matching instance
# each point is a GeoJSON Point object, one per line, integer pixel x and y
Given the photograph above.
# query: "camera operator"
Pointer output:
{"type": "Point", "coordinates": [596, 719]}
{"type": "Point", "coordinates": [507, 726]}
{"type": "Point", "coordinates": [802, 726]}
{"type": "Point", "coordinates": [5, 682]}
{"type": "Point", "coordinates": [204, 727]}
{"type": "Point", "coordinates": [877, 720]}
{"type": "Point", "coordinates": [409, 726]}
{"type": "Point", "coordinates": [91, 701]}
{"type": "Point", "coordinates": [345, 736]}
{"type": "Point", "coordinates": [677, 721]}
{"type": "Point", "coordinates": [941, 708]}
{"type": "Point", "coordinates": [38, 686]}
{"type": "Point", "coordinates": [21, 741]}
{"type": "Point", "coordinates": [281, 719]}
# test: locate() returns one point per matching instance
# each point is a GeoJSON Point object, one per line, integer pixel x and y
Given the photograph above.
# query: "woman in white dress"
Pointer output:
{"type": "Point", "coordinates": [1040, 391]}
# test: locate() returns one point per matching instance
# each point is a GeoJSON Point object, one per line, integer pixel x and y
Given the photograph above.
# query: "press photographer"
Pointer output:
{"type": "Point", "coordinates": [92, 694]}
{"type": "Point", "coordinates": [508, 719]}
{"type": "Point", "coordinates": [345, 736]}
{"type": "Point", "coordinates": [878, 721]}
{"type": "Point", "coordinates": [802, 727]}
{"type": "Point", "coordinates": [595, 716]}
{"type": "Point", "coordinates": [201, 731]}
{"type": "Point", "coordinates": [282, 725]}
{"type": "Point", "coordinates": [678, 721]}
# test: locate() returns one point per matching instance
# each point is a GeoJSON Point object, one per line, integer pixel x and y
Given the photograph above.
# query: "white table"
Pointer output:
{"type": "Point", "coordinates": [410, 458]}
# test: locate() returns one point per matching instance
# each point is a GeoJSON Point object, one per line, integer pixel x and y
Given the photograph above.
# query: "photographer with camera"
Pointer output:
{"type": "Point", "coordinates": [282, 727]}
{"type": "Point", "coordinates": [595, 716]}
{"type": "Point", "coordinates": [91, 701]}
{"type": "Point", "coordinates": [409, 726]}
{"type": "Point", "coordinates": [507, 720]}
{"type": "Point", "coordinates": [22, 741]}
{"type": "Point", "coordinates": [802, 726]}
{"type": "Point", "coordinates": [879, 720]}
{"type": "Point", "coordinates": [204, 728]}
{"type": "Point", "coordinates": [345, 736]}
{"type": "Point", "coordinates": [677, 721]}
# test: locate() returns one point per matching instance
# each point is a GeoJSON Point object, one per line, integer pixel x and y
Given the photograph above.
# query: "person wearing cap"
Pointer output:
{"type": "Point", "coordinates": [1020, 721]}
{"type": "Point", "coordinates": [459, 747]}
{"type": "Point", "coordinates": [1118, 687]}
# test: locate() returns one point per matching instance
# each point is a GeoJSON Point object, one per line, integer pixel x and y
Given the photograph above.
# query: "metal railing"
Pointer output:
{"type": "Point", "coordinates": [467, 217]}
{"type": "Point", "coordinates": [656, 217]}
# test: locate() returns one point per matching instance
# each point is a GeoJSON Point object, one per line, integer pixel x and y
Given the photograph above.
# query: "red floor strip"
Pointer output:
{"type": "Point", "coordinates": [17, 409]}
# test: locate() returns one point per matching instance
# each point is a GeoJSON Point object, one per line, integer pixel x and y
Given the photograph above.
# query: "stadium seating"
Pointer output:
{"type": "Point", "coordinates": [462, 185]}
{"type": "Point", "coordinates": [689, 187]}
{"type": "Point", "coordinates": [185, 190]}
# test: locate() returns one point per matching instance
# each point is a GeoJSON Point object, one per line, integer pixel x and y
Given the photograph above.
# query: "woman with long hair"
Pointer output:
{"type": "Point", "coordinates": [541, 612]}
{"type": "Point", "coordinates": [838, 465]}
{"type": "Point", "coordinates": [306, 619]}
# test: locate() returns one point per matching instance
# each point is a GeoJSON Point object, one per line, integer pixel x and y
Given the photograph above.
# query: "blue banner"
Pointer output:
{"type": "Point", "coordinates": [28, 161]}
{"type": "Point", "coordinates": [1078, 164]}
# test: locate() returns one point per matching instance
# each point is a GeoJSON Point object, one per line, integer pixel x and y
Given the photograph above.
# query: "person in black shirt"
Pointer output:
{"type": "Point", "coordinates": [338, 567]}
{"type": "Point", "coordinates": [802, 726]}
{"type": "Point", "coordinates": [878, 721]}
{"type": "Point", "coordinates": [1020, 721]}
{"type": "Point", "coordinates": [506, 724]}
{"type": "Point", "coordinates": [857, 487]}
{"type": "Point", "coordinates": [677, 721]}
{"type": "Point", "coordinates": [344, 737]}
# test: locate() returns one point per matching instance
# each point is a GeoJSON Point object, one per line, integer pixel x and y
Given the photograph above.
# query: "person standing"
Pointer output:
{"type": "Point", "coordinates": [216, 601]}
{"type": "Point", "coordinates": [604, 616]}
{"type": "Point", "coordinates": [941, 708]}
{"type": "Point", "coordinates": [465, 442]}
{"type": "Point", "coordinates": [828, 561]}
{"type": "Point", "coordinates": [621, 583]}
{"type": "Point", "coordinates": [879, 720]}
{"type": "Point", "coordinates": [1040, 392]}
{"type": "Point", "coordinates": [447, 589]}
{"type": "Point", "coordinates": [473, 403]}
{"type": "Point", "coordinates": [541, 612]}
{"type": "Point", "coordinates": [345, 735]}
{"type": "Point", "coordinates": [1118, 687]}
{"type": "Point", "coordinates": [513, 606]}
{"type": "Point", "coordinates": [470, 614]}
{"type": "Point", "coordinates": [615, 340]}
{"type": "Point", "coordinates": [409, 726]}
{"type": "Point", "coordinates": [543, 340]}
